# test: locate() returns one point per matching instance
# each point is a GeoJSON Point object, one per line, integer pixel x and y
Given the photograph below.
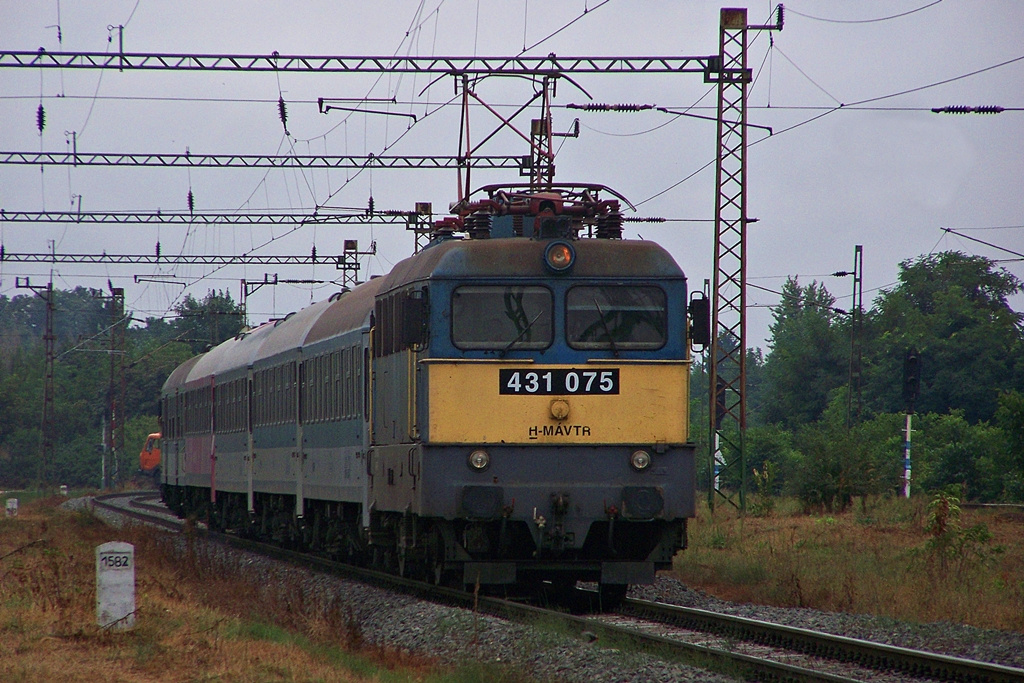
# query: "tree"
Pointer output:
{"type": "Point", "coordinates": [204, 324]}
{"type": "Point", "coordinates": [153, 353]}
{"type": "Point", "coordinates": [954, 310]}
{"type": "Point", "coordinates": [949, 450]}
{"type": "Point", "coordinates": [1010, 419]}
{"type": "Point", "coordinates": [83, 318]}
{"type": "Point", "coordinates": [809, 356]}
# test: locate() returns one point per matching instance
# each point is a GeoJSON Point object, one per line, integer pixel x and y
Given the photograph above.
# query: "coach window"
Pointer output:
{"type": "Point", "coordinates": [616, 317]}
{"type": "Point", "coordinates": [502, 317]}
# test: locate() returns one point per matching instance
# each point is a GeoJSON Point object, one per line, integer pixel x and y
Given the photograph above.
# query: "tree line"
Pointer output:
{"type": "Point", "coordinates": [83, 322]}
{"type": "Point", "coordinates": [802, 439]}
{"type": "Point", "coordinates": [807, 436]}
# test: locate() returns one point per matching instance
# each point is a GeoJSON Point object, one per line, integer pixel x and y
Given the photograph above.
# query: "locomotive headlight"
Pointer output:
{"type": "Point", "coordinates": [479, 460]}
{"type": "Point", "coordinates": [559, 256]}
{"type": "Point", "coordinates": [640, 460]}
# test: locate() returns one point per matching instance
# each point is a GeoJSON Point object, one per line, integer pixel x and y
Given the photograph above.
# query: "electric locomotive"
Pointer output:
{"type": "Point", "coordinates": [507, 407]}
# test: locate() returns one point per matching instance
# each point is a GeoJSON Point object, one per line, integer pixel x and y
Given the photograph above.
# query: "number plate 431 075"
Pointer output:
{"type": "Point", "coordinates": [558, 382]}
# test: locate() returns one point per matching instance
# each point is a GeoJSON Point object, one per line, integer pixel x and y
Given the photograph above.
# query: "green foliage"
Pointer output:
{"type": "Point", "coordinates": [204, 324]}
{"type": "Point", "coordinates": [764, 498]}
{"type": "Point", "coordinates": [82, 379]}
{"type": "Point", "coordinates": [770, 448]}
{"type": "Point", "coordinates": [970, 425]}
{"type": "Point", "coordinates": [947, 449]}
{"type": "Point", "coordinates": [809, 355]}
{"type": "Point", "coordinates": [830, 465]}
{"type": "Point", "coordinates": [957, 550]}
{"type": "Point", "coordinates": [954, 309]}
{"type": "Point", "coordinates": [154, 357]}
{"type": "Point", "coordinates": [1010, 418]}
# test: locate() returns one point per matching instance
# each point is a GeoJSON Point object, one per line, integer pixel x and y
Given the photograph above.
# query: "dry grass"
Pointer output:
{"type": "Point", "coordinates": [878, 558]}
{"type": "Point", "coordinates": [196, 619]}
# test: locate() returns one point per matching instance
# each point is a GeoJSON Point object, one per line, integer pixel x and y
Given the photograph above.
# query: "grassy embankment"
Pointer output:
{"type": "Point", "coordinates": [920, 560]}
{"type": "Point", "coordinates": [196, 620]}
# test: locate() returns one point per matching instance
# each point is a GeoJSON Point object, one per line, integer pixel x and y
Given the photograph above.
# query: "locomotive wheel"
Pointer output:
{"type": "Point", "coordinates": [557, 591]}
{"type": "Point", "coordinates": [402, 557]}
{"type": "Point", "coordinates": [611, 595]}
{"type": "Point", "coordinates": [435, 568]}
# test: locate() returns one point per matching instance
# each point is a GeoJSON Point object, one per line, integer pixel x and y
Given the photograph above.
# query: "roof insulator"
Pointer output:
{"type": "Point", "coordinates": [964, 109]}
{"type": "Point", "coordinates": [600, 106]}
{"type": "Point", "coordinates": [282, 111]}
{"type": "Point", "coordinates": [642, 219]}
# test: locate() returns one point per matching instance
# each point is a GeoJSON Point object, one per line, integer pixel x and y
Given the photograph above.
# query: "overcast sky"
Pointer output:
{"type": "Point", "coordinates": [887, 174]}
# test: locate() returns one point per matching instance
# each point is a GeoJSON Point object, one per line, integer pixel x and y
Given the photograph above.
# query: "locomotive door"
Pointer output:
{"type": "Point", "coordinates": [250, 457]}
{"type": "Point", "coordinates": [299, 454]}
{"type": "Point", "coordinates": [367, 422]}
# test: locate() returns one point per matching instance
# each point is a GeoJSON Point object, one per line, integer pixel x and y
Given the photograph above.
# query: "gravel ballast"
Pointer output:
{"type": "Point", "coordinates": [458, 636]}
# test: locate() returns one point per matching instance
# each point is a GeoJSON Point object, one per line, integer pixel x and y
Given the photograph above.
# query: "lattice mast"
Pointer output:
{"type": "Point", "coordinates": [542, 166]}
{"type": "Point", "coordinates": [117, 386]}
{"type": "Point", "coordinates": [853, 408]}
{"type": "Point", "coordinates": [44, 471]}
{"type": "Point", "coordinates": [728, 376]}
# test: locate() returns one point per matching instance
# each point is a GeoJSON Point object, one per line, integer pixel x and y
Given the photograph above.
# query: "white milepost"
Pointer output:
{"type": "Point", "coordinates": [12, 507]}
{"type": "Point", "coordinates": [115, 586]}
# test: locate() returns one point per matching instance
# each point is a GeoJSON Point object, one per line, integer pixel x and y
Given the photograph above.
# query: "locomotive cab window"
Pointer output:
{"type": "Point", "coordinates": [502, 317]}
{"type": "Point", "coordinates": [616, 317]}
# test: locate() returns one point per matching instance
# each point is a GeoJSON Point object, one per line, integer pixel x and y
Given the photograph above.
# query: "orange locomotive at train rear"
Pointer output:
{"type": "Point", "coordinates": [149, 458]}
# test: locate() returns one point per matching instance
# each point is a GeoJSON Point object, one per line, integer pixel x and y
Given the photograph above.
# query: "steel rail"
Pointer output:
{"type": "Point", "coordinates": [862, 652]}
{"type": "Point", "coordinates": [258, 161]}
{"type": "Point", "coordinates": [105, 502]}
{"type": "Point", "coordinates": [207, 218]}
{"type": "Point", "coordinates": [700, 656]}
{"type": "Point", "coordinates": [521, 65]}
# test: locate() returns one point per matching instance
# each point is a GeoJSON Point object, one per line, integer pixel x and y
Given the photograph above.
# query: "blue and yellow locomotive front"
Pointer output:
{"type": "Point", "coordinates": [529, 418]}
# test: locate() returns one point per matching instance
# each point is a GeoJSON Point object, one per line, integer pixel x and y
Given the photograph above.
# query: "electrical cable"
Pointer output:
{"type": "Point", "coordinates": [861, 21]}
{"type": "Point", "coordinates": [842, 106]}
{"type": "Point", "coordinates": [937, 83]}
{"type": "Point", "coordinates": [558, 31]}
{"type": "Point", "coordinates": [804, 74]}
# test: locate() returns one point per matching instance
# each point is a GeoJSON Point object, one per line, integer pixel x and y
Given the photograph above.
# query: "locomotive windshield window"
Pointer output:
{"type": "Point", "coordinates": [500, 318]}
{"type": "Point", "coordinates": [616, 317]}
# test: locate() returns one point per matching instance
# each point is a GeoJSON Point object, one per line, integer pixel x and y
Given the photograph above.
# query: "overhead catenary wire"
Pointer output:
{"type": "Point", "coordinates": [331, 187]}
{"type": "Point", "coordinates": [987, 244]}
{"type": "Point", "coordinates": [832, 110]}
{"type": "Point", "coordinates": [554, 33]}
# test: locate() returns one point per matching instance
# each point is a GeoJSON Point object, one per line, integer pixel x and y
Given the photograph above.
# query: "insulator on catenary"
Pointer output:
{"type": "Point", "coordinates": [964, 109]}
{"type": "Point", "coordinates": [40, 118]}
{"type": "Point", "coordinates": [369, 206]}
{"type": "Point", "coordinates": [312, 254]}
{"type": "Point", "coordinates": [598, 106]}
{"type": "Point", "coordinates": [191, 201]}
{"type": "Point", "coordinates": [158, 250]}
{"type": "Point", "coordinates": [641, 219]}
{"type": "Point", "coordinates": [282, 111]}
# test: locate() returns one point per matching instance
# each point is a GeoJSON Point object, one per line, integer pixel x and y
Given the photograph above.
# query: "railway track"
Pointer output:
{"type": "Point", "coordinates": [744, 648]}
{"type": "Point", "coordinates": [859, 653]}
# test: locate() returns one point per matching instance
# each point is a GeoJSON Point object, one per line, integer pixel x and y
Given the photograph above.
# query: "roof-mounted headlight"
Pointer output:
{"type": "Point", "coordinates": [559, 256]}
